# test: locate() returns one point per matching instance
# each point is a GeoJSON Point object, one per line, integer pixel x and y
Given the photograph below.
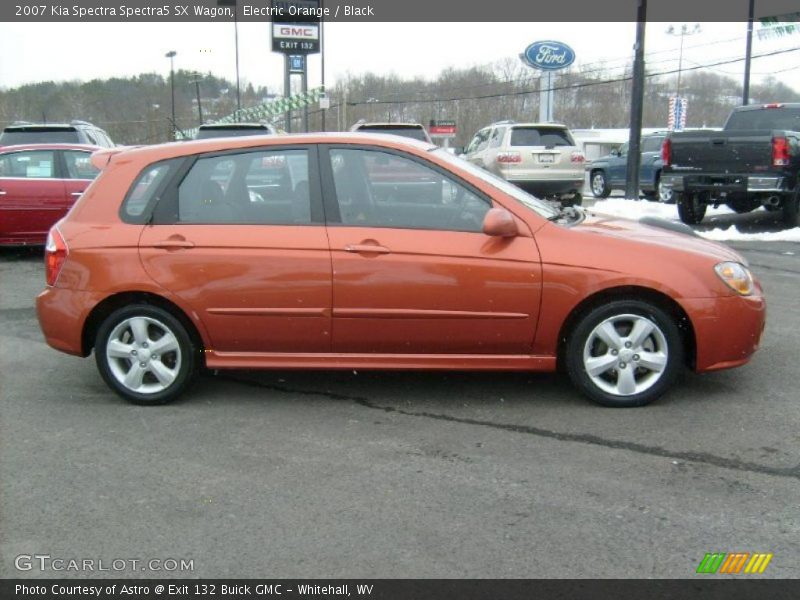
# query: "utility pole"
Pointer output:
{"type": "Point", "coordinates": [196, 82]}
{"type": "Point", "coordinates": [748, 54]}
{"type": "Point", "coordinates": [637, 101]}
{"type": "Point", "coordinates": [171, 56]}
{"type": "Point", "coordinates": [683, 32]}
{"type": "Point", "coordinates": [322, 58]}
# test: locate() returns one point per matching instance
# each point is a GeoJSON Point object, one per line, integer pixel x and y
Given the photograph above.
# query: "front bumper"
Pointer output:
{"type": "Point", "coordinates": [727, 330]}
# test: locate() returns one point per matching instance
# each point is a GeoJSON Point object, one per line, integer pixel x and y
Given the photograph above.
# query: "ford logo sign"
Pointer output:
{"type": "Point", "coordinates": [549, 55]}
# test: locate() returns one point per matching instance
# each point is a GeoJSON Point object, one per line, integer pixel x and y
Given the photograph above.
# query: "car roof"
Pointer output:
{"type": "Point", "coordinates": [21, 147]}
{"type": "Point", "coordinates": [533, 125]}
{"type": "Point", "coordinates": [235, 126]}
{"type": "Point", "coordinates": [149, 154]}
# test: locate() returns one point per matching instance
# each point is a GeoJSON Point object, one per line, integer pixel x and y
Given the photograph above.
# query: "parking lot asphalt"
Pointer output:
{"type": "Point", "coordinates": [366, 474]}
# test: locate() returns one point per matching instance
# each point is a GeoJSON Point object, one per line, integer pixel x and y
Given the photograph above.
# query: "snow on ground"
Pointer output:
{"type": "Point", "coordinates": [731, 234]}
{"type": "Point", "coordinates": [632, 209]}
{"type": "Point", "coordinates": [635, 209]}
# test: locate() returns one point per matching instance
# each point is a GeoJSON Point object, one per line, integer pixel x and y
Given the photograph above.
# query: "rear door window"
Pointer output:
{"type": "Point", "coordinates": [541, 136]}
{"type": "Point", "coordinates": [263, 188]}
{"type": "Point", "coordinates": [37, 164]}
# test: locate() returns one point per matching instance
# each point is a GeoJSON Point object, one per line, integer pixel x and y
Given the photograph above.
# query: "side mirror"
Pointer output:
{"type": "Point", "coordinates": [498, 222]}
{"type": "Point", "coordinates": [615, 152]}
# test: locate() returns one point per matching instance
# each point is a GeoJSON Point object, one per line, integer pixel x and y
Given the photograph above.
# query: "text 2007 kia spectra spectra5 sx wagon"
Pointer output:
{"type": "Point", "coordinates": [367, 251]}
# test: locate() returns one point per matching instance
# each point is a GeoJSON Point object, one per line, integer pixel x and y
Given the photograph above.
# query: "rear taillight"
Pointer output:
{"type": "Point", "coordinates": [509, 157]}
{"type": "Point", "coordinates": [577, 157]}
{"type": "Point", "coordinates": [55, 253]}
{"type": "Point", "coordinates": [666, 152]}
{"type": "Point", "coordinates": [780, 152]}
{"type": "Point", "coordinates": [773, 105]}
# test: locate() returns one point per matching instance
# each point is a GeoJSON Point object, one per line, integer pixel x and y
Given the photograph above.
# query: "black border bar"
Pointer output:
{"type": "Point", "coordinates": [375, 11]}
{"type": "Point", "coordinates": [742, 587]}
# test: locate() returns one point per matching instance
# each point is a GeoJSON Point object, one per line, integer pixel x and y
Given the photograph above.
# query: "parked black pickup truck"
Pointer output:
{"type": "Point", "coordinates": [754, 161]}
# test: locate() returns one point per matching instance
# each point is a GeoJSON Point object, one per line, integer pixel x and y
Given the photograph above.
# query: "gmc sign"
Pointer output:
{"type": "Point", "coordinates": [295, 38]}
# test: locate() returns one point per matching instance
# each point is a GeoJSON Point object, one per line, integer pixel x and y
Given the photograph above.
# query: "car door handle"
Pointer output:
{"type": "Point", "coordinates": [173, 244]}
{"type": "Point", "coordinates": [367, 248]}
{"type": "Point", "coordinates": [76, 194]}
{"type": "Point", "coordinates": [2, 192]}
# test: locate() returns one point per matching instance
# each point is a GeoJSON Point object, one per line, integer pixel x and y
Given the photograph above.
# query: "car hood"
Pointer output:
{"type": "Point", "coordinates": [652, 235]}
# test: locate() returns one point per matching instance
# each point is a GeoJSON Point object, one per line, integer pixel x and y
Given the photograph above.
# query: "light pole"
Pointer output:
{"type": "Point", "coordinates": [236, 37]}
{"type": "Point", "coordinates": [682, 32]}
{"type": "Point", "coordinates": [196, 82]}
{"type": "Point", "coordinates": [171, 56]}
{"type": "Point", "coordinates": [748, 53]}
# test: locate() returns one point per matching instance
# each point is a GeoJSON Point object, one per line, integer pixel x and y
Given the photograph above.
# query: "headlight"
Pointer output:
{"type": "Point", "coordinates": [736, 276]}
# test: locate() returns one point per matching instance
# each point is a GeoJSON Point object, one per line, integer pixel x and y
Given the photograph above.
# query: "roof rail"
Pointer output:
{"type": "Point", "coordinates": [21, 123]}
{"type": "Point", "coordinates": [505, 122]}
{"type": "Point", "coordinates": [79, 122]}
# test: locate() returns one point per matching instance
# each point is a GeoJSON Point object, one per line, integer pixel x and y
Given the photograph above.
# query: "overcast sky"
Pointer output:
{"type": "Point", "coordinates": [82, 51]}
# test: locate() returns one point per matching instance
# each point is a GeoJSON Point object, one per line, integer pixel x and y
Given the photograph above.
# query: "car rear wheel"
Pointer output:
{"type": "Point", "coordinates": [145, 354]}
{"type": "Point", "coordinates": [690, 209]}
{"type": "Point", "coordinates": [664, 192]}
{"type": "Point", "coordinates": [624, 354]}
{"type": "Point", "coordinates": [600, 186]}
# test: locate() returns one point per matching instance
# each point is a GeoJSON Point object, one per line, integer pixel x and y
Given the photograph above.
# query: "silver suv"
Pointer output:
{"type": "Point", "coordinates": [541, 158]}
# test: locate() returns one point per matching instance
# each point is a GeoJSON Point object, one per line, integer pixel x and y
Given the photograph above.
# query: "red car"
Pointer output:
{"type": "Point", "coordinates": [39, 183]}
{"type": "Point", "coordinates": [298, 252]}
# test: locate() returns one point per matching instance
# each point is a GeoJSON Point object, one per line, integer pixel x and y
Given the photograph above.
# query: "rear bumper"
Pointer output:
{"type": "Point", "coordinates": [548, 187]}
{"type": "Point", "coordinates": [718, 183]}
{"type": "Point", "coordinates": [62, 314]}
{"type": "Point", "coordinates": [727, 330]}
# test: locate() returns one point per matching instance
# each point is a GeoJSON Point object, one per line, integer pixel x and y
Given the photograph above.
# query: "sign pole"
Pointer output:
{"type": "Point", "coordinates": [304, 83]}
{"type": "Point", "coordinates": [637, 100]}
{"type": "Point", "coordinates": [287, 91]}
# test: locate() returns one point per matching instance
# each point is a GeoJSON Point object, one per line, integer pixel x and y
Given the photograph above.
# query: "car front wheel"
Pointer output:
{"type": "Point", "coordinates": [145, 354]}
{"type": "Point", "coordinates": [624, 354]}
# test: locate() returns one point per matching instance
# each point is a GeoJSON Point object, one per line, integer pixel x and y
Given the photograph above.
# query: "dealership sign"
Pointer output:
{"type": "Point", "coordinates": [295, 38]}
{"type": "Point", "coordinates": [442, 128]}
{"type": "Point", "coordinates": [549, 55]}
{"type": "Point", "coordinates": [295, 29]}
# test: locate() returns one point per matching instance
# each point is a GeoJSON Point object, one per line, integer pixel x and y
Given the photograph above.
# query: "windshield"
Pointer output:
{"type": "Point", "coordinates": [540, 136]}
{"type": "Point", "coordinates": [415, 133]}
{"type": "Point", "coordinates": [38, 136]}
{"type": "Point", "coordinates": [539, 206]}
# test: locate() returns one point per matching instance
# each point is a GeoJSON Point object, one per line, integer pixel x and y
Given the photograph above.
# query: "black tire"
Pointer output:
{"type": "Point", "coordinates": [575, 200]}
{"type": "Point", "coordinates": [650, 196]}
{"type": "Point", "coordinates": [790, 213]}
{"type": "Point", "coordinates": [179, 365]}
{"type": "Point", "coordinates": [599, 184]}
{"type": "Point", "coordinates": [622, 314]}
{"type": "Point", "coordinates": [691, 209]}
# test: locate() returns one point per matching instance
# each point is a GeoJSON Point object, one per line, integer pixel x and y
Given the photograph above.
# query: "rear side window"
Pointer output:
{"type": "Point", "coordinates": [652, 144]}
{"type": "Point", "coordinates": [38, 164]}
{"type": "Point", "coordinates": [260, 188]}
{"type": "Point", "coordinates": [144, 190]}
{"type": "Point", "coordinates": [540, 136]}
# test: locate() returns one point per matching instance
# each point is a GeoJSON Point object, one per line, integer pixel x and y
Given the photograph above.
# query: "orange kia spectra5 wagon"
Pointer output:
{"type": "Point", "coordinates": [368, 251]}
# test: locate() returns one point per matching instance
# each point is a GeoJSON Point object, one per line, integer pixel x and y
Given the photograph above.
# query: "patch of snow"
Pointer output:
{"type": "Point", "coordinates": [636, 209]}
{"type": "Point", "coordinates": [731, 234]}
